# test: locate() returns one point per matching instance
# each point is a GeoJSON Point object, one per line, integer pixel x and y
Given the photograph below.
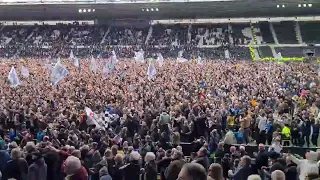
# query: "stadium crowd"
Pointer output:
{"type": "Point", "coordinates": [49, 131]}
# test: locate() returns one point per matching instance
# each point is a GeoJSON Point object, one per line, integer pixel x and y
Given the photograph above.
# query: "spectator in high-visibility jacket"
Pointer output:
{"type": "Point", "coordinates": [286, 134]}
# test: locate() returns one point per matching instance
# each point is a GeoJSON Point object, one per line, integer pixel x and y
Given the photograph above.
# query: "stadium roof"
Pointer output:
{"type": "Point", "coordinates": [166, 10]}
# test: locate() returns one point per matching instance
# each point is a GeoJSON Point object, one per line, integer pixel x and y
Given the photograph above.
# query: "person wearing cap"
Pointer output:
{"type": "Point", "coordinates": [308, 165]}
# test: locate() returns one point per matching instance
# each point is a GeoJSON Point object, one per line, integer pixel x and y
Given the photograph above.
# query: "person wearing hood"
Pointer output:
{"type": "Point", "coordinates": [308, 165]}
{"type": "Point", "coordinates": [104, 174]}
{"type": "Point", "coordinates": [38, 169]}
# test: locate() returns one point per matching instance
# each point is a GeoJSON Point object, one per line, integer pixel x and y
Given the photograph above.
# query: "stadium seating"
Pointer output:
{"type": "Point", "coordinates": [290, 51]}
{"type": "Point", "coordinates": [242, 34]}
{"type": "Point", "coordinates": [310, 32]}
{"type": "Point", "coordinates": [210, 34]}
{"type": "Point", "coordinates": [265, 51]}
{"type": "Point", "coordinates": [266, 33]}
{"type": "Point", "coordinates": [285, 32]}
{"type": "Point", "coordinates": [195, 39]}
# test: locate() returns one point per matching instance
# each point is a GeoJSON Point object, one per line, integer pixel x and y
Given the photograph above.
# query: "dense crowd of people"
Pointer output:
{"type": "Point", "coordinates": [193, 120]}
{"type": "Point", "coordinates": [47, 131]}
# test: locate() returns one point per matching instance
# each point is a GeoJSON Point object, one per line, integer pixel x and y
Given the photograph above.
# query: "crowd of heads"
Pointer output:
{"type": "Point", "coordinates": [177, 125]}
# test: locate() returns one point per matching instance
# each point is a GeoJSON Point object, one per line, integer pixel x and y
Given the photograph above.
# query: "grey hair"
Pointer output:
{"type": "Point", "coordinates": [134, 156]}
{"type": "Point", "coordinates": [72, 164]}
{"type": "Point", "coordinates": [30, 146]}
{"type": "Point", "coordinates": [278, 175]}
{"type": "Point", "coordinates": [254, 177]}
{"type": "Point", "coordinates": [15, 153]}
{"type": "Point", "coordinates": [150, 156]}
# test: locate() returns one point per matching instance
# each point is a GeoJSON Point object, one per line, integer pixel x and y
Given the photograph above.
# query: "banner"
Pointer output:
{"type": "Point", "coordinates": [160, 60]}
{"type": "Point", "coordinates": [151, 71]}
{"type": "Point", "coordinates": [13, 78]}
{"type": "Point", "coordinates": [139, 56]}
{"type": "Point", "coordinates": [24, 72]}
{"type": "Point", "coordinates": [58, 73]}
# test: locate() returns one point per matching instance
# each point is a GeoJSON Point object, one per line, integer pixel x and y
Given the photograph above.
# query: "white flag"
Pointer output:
{"type": "Point", "coordinates": [71, 57]}
{"type": "Point", "coordinates": [93, 65]}
{"type": "Point", "coordinates": [92, 117]}
{"type": "Point", "coordinates": [160, 60]}
{"type": "Point", "coordinates": [151, 71]}
{"type": "Point", "coordinates": [227, 54]}
{"type": "Point", "coordinates": [279, 56]}
{"type": "Point", "coordinates": [113, 60]}
{"type": "Point", "coordinates": [58, 73]}
{"type": "Point", "coordinates": [13, 78]}
{"type": "Point", "coordinates": [180, 58]}
{"type": "Point", "coordinates": [139, 56]}
{"type": "Point", "coordinates": [24, 72]}
{"type": "Point", "coordinates": [105, 71]}
{"type": "Point", "coordinates": [199, 60]}
{"type": "Point", "coordinates": [76, 62]}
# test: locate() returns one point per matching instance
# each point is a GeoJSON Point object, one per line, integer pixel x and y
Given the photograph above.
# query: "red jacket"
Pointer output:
{"type": "Point", "coordinates": [81, 174]}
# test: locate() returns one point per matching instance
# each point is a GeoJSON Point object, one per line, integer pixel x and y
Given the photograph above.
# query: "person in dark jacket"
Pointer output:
{"type": "Point", "coordinates": [150, 167]}
{"type": "Point", "coordinates": [4, 157]}
{"type": "Point", "coordinates": [131, 171]}
{"type": "Point", "coordinates": [164, 163]}
{"type": "Point", "coordinates": [15, 168]}
{"type": "Point", "coordinates": [244, 171]}
{"type": "Point", "coordinates": [203, 158]}
{"type": "Point", "coordinates": [291, 170]}
{"type": "Point", "coordinates": [306, 131]}
{"type": "Point", "coordinates": [315, 133]}
{"type": "Point", "coordinates": [262, 158]}
{"type": "Point", "coordinates": [173, 170]}
{"type": "Point", "coordinates": [219, 153]}
{"type": "Point", "coordinates": [116, 173]}
{"type": "Point", "coordinates": [38, 169]}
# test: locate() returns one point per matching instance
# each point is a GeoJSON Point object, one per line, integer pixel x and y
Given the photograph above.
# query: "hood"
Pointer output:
{"type": "Point", "coordinates": [313, 156]}
{"type": "Point", "coordinates": [103, 171]}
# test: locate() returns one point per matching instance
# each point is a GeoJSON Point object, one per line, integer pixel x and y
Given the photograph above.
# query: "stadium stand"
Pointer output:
{"type": "Point", "coordinates": [242, 34]}
{"type": "Point", "coordinates": [265, 51]}
{"type": "Point", "coordinates": [310, 32]}
{"type": "Point", "coordinates": [285, 32]}
{"type": "Point", "coordinates": [290, 51]}
{"type": "Point", "coordinates": [266, 33]}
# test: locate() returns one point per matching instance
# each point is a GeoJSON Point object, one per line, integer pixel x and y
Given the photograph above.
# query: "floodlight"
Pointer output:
{"type": "Point", "coordinates": [299, 5]}
{"type": "Point", "coordinates": [84, 10]}
{"type": "Point", "coordinates": [157, 9]}
{"type": "Point", "coordinates": [89, 10]}
{"type": "Point", "coordinates": [80, 10]}
{"type": "Point", "coordinates": [310, 5]}
{"type": "Point", "coordinates": [278, 6]}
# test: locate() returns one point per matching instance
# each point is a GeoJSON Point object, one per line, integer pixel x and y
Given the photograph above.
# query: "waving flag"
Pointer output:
{"type": "Point", "coordinates": [93, 65]}
{"type": "Point", "coordinates": [24, 72]}
{"type": "Point", "coordinates": [99, 55]}
{"type": "Point", "coordinates": [199, 60]}
{"type": "Point", "coordinates": [76, 62]}
{"type": "Point", "coordinates": [58, 73]}
{"type": "Point", "coordinates": [279, 56]}
{"type": "Point", "coordinates": [151, 71]}
{"type": "Point", "coordinates": [180, 58]}
{"type": "Point", "coordinates": [160, 60]}
{"type": "Point", "coordinates": [71, 57]}
{"type": "Point", "coordinates": [139, 56]}
{"type": "Point", "coordinates": [13, 78]}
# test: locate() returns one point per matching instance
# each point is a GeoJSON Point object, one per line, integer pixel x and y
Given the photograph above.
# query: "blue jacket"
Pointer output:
{"type": "Point", "coordinates": [4, 158]}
